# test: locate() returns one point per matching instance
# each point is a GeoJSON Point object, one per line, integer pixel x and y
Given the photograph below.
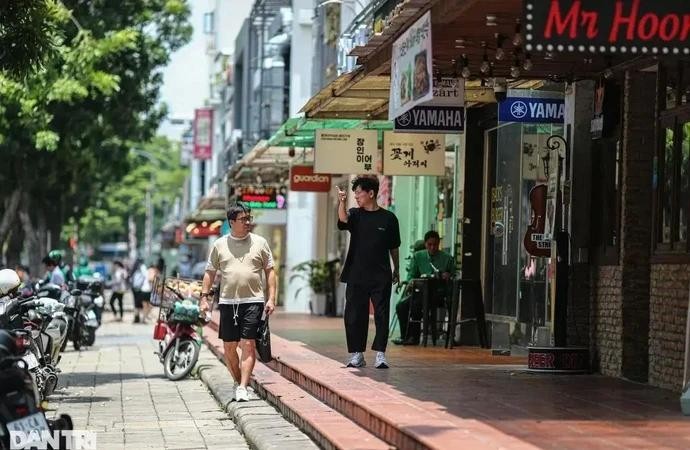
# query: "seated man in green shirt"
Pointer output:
{"type": "Point", "coordinates": [430, 262]}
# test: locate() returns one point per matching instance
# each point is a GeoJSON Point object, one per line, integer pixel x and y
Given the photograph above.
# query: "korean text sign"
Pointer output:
{"type": "Point", "coordinates": [346, 151]}
{"type": "Point", "coordinates": [411, 70]}
{"type": "Point", "coordinates": [413, 154]}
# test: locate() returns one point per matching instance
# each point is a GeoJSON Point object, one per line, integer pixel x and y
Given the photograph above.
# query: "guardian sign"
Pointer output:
{"type": "Point", "coordinates": [531, 110]}
{"type": "Point", "coordinates": [303, 179]}
{"type": "Point", "coordinates": [653, 27]}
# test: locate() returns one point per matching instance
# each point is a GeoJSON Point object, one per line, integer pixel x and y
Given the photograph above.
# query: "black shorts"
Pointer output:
{"type": "Point", "coordinates": [248, 317]}
{"type": "Point", "coordinates": [140, 297]}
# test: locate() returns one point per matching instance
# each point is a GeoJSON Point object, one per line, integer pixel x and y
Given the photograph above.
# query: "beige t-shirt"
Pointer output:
{"type": "Point", "coordinates": [241, 263]}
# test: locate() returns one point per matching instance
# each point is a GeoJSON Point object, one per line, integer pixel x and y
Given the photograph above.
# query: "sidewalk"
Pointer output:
{"type": "Point", "coordinates": [465, 397]}
{"type": "Point", "coordinates": [117, 389]}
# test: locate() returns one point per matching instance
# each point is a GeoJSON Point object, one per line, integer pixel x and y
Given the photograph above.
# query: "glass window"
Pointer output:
{"type": "Point", "coordinates": [667, 188]}
{"type": "Point", "coordinates": [684, 184]}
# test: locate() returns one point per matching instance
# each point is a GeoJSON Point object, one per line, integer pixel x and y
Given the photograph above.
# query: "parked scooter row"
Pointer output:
{"type": "Point", "coordinates": [32, 333]}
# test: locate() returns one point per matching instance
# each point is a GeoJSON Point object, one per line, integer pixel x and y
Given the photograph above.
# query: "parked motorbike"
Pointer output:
{"type": "Point", "coordinates": [20, 408]}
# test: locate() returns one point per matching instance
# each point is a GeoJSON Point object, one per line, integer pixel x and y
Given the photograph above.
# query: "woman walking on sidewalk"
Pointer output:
{"type": "Point", "coordinates": [119, 288]}
{"type": "Point", "coordinates": [242, 258]}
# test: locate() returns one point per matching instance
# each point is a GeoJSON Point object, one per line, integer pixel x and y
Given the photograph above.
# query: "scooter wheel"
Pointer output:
{"type": "Point", "coordinates": [179, 366]}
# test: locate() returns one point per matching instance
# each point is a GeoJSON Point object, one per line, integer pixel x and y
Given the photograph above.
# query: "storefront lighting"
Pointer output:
{"type": "Point", "coordinates": [515, 68]}
{"type": "Point", "coordinates": [500, 53]}
{"type": "Point", "coordinates": [491, 20]}
{"type": "Point", "coordinates": [459, 43]}
{"type": "Point", "coordinates": [527, 63]}
{"type": "Point", "coordinates": [485, 66]}
{"type": "Point", "coordinates": [517, 38]}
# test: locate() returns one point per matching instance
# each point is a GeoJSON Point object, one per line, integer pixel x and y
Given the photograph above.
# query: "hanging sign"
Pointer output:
{"type": "Point", "coordinates": [303, 179]}
{"type": "Point", "coordinates": [203, 133]}
{"type": "Point", "coordinates": [411, 76]}
{"type": "Point", "coordinates": [444, 114]}
{"type": "Point", "coordinates": [262, 197]}
{"type": "Point", "coordinates": [414, 154]}
{"type": "Point", "coordinates": [608, 27]}
{"type": "Point", "coordinates": [345, 151]}
{"type": "Point", "coordinates": [531, 110]}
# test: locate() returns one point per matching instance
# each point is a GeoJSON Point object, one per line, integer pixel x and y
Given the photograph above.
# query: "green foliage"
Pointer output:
{"type": "Point", "coordinates": [315, 272]}
{"type": "Point", "coordinates": [164, 176]}
{"type": "Point", "coordinates": [79, 83]}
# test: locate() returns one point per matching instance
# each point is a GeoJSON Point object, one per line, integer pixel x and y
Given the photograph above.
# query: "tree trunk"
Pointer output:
{"type": "Point", "coordinates": [15, 245]}
{"type": "Point", "coordinates": [10, 215]}
{"type": "Point", "coordinates": [33, 238]}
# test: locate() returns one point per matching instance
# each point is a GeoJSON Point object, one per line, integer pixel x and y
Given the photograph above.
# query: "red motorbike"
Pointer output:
{"type": "Point", "coordinates": [176, 329]}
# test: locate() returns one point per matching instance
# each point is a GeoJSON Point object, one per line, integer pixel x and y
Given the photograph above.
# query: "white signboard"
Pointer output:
{"type": "Point", "coordinates": [345, 151]}
{"type": "Point", "coordinates": [411, 70]}
{"type": "Point", "coordinates": [448, 92]}
{"type": "Point", "coordinates": [414, 154]}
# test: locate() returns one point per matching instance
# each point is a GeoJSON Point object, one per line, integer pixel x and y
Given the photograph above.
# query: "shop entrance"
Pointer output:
{"type": "Point", "coordinates": [517, 303]}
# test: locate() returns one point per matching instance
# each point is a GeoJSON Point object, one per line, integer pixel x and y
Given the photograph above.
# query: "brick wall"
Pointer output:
{"type": "Point", "coordinates": [607, 320]}
{"type": "Point", "coordinates": [636, 222]}
{"type": "Point", "coordinates": [668, 313]}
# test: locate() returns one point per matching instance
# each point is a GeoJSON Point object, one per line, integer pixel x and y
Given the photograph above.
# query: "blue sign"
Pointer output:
{"type": "Point", "coordinates": [531, 110]}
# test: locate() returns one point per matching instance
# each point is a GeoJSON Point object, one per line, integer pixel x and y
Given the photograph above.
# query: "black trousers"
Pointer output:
{"type": "Point", "coordinates": [409, 331]}
{"type": "Point", "coordinates": [357, 297]}
{"type": "Point", "coordinates": [116, 296]}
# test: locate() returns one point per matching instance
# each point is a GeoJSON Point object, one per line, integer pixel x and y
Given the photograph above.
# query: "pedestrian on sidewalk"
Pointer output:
{"type": "Point", "coordinates": [374, 241]}
{"type": "Point", "coordinates": [243, 259]}
{"type": "Point", "coordinates": [119, 288]}
{"type": "Point", "coordinates": [141, 289]}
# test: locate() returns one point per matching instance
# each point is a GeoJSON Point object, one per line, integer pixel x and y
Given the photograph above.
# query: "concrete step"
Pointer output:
{"type": "Point", "coordinates": [372, 406]}
{"type": "Point", "coordinates": [327, 427]}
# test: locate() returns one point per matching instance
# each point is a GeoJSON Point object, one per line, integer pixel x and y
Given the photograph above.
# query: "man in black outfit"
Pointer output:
{"type": "Point", "coordinates": [374, 241]}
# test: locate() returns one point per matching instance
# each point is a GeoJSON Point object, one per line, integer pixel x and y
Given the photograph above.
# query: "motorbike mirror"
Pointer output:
{"type": "Point", "coordinates": [75, 292]}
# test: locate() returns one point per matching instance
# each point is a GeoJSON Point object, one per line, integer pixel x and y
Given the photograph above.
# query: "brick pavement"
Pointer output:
{"type": "Point", "coordinates": [117, 389]}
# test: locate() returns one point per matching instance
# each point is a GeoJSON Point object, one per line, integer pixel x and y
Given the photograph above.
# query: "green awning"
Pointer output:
{"type": "Point", "coordinates": [301, 132]}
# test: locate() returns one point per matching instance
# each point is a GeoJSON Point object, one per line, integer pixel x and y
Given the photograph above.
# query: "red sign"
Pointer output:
{"type": "Point", "coordinates": [303, 179]}
{"type": "Point", "coordinates": [651, 27]}
{"type": "Point", "coordinates": [203, 133]}
{"type": "Point", "coordinates": [204, 229]}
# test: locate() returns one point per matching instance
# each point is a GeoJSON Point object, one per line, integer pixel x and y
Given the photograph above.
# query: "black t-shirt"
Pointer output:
{"type": "Point", "coordinates": [373, 235]}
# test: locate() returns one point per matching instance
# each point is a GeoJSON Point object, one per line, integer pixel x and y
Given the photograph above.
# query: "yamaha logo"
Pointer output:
{"type": "Point", "coordinates": [310, 178]}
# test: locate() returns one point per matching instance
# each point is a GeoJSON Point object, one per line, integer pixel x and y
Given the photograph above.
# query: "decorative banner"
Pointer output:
{"type": "Point", "coordinates": [608, 27]}
{"type": "Point", "coordinates": [414, 154]}
{"type": "Point", "coordinates": [345, 151]}
{"type": "Point", "coordinates": [203, 133]}
{"type": "Point", "coordinates": [531, 110]}
{"type": "Point", "coordinates": [268, 197]}
{"type": "Point", "coordinates": [411, 76]}
{"type": "Point", "coordinates": [303, 179]}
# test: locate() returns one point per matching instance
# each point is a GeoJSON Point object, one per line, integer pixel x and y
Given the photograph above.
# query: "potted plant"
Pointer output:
{"type": "Point", "coordinates": [316, 273]}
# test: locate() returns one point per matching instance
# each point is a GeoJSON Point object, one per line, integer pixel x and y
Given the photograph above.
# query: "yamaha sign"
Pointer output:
{"type": "Point", "coordinates": [429, 119]}
{"type": "Point", "coordinates": [303, 179]}
{"type": "Point", "coordinates": [531, 110]}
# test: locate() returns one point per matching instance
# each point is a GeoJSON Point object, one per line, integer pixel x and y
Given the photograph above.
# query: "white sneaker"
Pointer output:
{"type": "Point", "coordinates": [357, 360]}
{"type": "Point", "coordinates": [241, 394]}
{"type": "Point", "coordinates": [381, 362]}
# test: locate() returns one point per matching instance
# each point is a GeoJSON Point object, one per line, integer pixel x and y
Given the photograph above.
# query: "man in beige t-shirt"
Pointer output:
{"type": "Point", "coordinates": [241, 257]}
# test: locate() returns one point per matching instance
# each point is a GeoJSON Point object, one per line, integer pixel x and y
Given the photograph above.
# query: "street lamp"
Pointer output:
{"type": "Point", "coordinates": [148, 231]}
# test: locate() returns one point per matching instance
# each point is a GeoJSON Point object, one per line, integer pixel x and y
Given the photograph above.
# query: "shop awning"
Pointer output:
{"type": "Point", "coordinates": [301, 132]}
{"type": "Point", "coordinates": [209, 209]}
{"type": "Point", "coordinates": [351, 96]}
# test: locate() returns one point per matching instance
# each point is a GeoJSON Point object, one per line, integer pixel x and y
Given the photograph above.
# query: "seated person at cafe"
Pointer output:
{"type": "Point", "coordinates": [427, 263]}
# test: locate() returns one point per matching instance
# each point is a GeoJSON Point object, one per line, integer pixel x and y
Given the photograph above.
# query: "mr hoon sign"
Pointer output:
{"type": "Point", "coordinates": [608, 27]}
{"type": "Point", "coordinates": [531, 110]}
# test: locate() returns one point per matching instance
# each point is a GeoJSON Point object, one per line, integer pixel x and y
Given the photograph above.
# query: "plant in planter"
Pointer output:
{"type": "Point", "coordinates": [316, 273]}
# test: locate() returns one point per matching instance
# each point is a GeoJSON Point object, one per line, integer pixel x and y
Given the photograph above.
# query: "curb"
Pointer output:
{"type": "Point", "coordinates": [260, 423]}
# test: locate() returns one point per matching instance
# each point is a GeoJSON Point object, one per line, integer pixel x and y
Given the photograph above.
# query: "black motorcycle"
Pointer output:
{"type": "Point", "coordinates": [20, 409]}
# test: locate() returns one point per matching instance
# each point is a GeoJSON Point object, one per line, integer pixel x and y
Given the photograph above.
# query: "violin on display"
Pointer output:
{"type": "Point", "coordinates": [534, 241]}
